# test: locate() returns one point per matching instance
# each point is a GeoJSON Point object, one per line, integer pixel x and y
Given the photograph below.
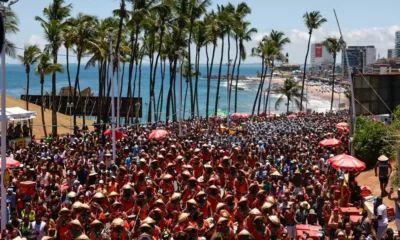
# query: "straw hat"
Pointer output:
{"type": "Point", "coordinates": [116, 204]}
{"type": "Point", "coordinates": [225, 214]}
{"type": "Point", "coordinates": [201, 193]}
{"type": "Point", "coordinates": [219, 206]}
{"type": "Point", "coordinates": [65, 210]}
{"type": "Point", "coordinates": [312, 212]}
{"type": "Point", "coordinates": [183, 217]}
{"type": "Point", "coordinates": [99, 195]}
{"type": "Point", "coordinates": [127, 187]}
{"type": "Point", "coordinates": [149, 221]}
{"type": "Point", "coordinates": [383, 158]}
{"type": "Point", "coordinates": [144, 225]}
{"type": "Point", "coordinates": [113, 194]}
{"type": "Point", "coordinates": [254, 212]}
{"type": "Point", "coordinates": [222, 220]}
{"type": "Point", "coordinates": [95, 222]}
{"type": "Point", "coordinates": [76, 205]}
{"type": "Point", "coordinates": [192, 201]}
{"type": "Point", "coordinates": [197, 150]}
{"type": "Point", "coordinates": [271, 200]}
{"type": "Point", "coordinates": [180, 234]}
{"type": "Point", "coordinates": [274, 220]}
{"type": "Point", "coordinates": [76, 223]}
{"type": "Point", "coordinates": [175, 196]}
{"type": "Point", "coordinates": [243, 199]}
{"type": "Point", "coordinates": [117, 222]}
{"type": "Point", "coordinates": [244, 232]}
{"type": "Point", "coordinates": [85, 206]}
{"type": "Point", "coordinates": [190, 228]}
{"type": "Point", "coordinates": [262, 218]}
{"type": "Point", "coordinates": [17, 238]}
{"type": "Point", "coordinates": [159, 201]}
{"type": "Point", "coordinates": [47, 238]}
{"type": "Point", "coordinates": [266, 205]}
{"type": "Point", "coordinates": [213, 187]}
{"type": "Point", "coordinates": [167, 177]}
{"type": "Point", "coordinates": [71, 194]}
{"type": "Point", "coordinates": [305, 205]}
{"type": "Point", "coordinates": [277, 174]}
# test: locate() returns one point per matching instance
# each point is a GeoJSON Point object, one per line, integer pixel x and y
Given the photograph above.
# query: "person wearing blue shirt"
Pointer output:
{"type": "Point", "coordinates": [128, 161]}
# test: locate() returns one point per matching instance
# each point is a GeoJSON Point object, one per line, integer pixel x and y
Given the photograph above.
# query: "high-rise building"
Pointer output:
{"type": "Point", "coordinates": [390, 53]}
{"type": "Point", "coordinates": [359, 57]}
{"type": "Point", "coordinates": [397, 44]}
{"type": "Point", "coordinates": [320, 55]}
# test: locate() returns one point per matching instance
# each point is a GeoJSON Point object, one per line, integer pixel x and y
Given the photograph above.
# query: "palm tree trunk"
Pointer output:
{"type": "Point", "coordinates": [192, 99]}
{"type": "Point", "coordinates": [259, 86]}
{"type": "Point", "coordinates": [120, 25]}
{"type": "Point", "coordinates": [197, 69]}
{"type": "Point", "coordinates": [152, 83]}
{"type": "Point", "coordinates": [169, 96]}
{"type": "Point", "coordinates": [233, 69]}
{"type": "Point", "coordinates": [161, 93]}
{"type": "Point", "coordinates": [76, 85]}
{"type": "Point", "coordinates": [27, 88]}
{"type": "Point", "coordinates": [269, 89]}
{"type": "Point", "coordinates": [237, 79]}
{"type": "Point", "coordinates": [184, 101]}
{"type": "Point", "coordinates": [288, 102]}
{"type": "Point", "coordinates": [219, 77]}
{"type": "Point", "coordinates": [209, 79]}
{"type": "Point", "coordinates": [68, 73]}
{"type": "Point", "coordinates": [156, 113]}
{"type": "Point", "coordinates": [42, 107]}
{"type": "Point", "coordinates": [304, 72]}
{"type": "Point", "coordinates": [262, 88]}
{"type": "Point", "coordinates": [333, 79]}
{"type": "Point", "coordinates": [54, 105]}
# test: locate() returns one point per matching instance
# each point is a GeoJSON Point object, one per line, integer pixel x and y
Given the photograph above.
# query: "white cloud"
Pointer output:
{"type": "Point", "coordinates": [39, 40]}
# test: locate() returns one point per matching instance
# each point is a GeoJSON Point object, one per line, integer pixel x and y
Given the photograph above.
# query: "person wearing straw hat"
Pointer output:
{"type": "Point", "coordinates": [224, 229]}
{"type": "Point", "coordinates": [118, 231]}
{"type": "Point", "coordinates": [96, 229]}
{"type": "Point", "coordinates": [62, 222]}
{"type": "Point", "coordinates": [385, 170]}
{"type": "Point", "coordinates": [74, 231]}
{"type": "Point", "coordinates": [260, 232]}
{"type": "Point", "coordinates": [241, 213]}
{"type": "Point", "coordinates": [203, 205]}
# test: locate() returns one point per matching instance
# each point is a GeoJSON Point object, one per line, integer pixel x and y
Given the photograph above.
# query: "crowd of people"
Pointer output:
{"type": "Point", "coordinates": [261, 183]}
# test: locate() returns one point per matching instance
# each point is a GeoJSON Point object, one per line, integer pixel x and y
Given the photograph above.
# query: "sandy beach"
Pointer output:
{"type": "Point", "coordinates": [62, 120]}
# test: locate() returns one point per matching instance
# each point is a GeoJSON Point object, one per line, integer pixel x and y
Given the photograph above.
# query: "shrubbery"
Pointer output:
{"type": "Point", "coordinates": [369, 141]}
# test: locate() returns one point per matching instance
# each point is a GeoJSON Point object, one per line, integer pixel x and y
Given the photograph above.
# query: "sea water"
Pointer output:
{"type": "Point", "coordinates": [16, 86]}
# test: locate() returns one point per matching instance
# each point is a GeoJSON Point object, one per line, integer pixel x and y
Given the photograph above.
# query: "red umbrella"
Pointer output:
{"type": "Point", "coordinates": [236, 115]}
{"type": "Point", "coordinates": [118, 134]}
{"type": "Point", "coordinates": [270, 115]}
{"type": "Point", "coordinates": [292, 116]}
{"type": "Point", "coordinates": [342, 124]}
{"type": "Point", "coordinates": [343, 129]}
{"type": "Point", "coordinates": [346, 162]}
{"type": "Point", "coordinates": [11, 163]}
{"type": "Point", "coordinates": [332, 142]}
{"type": "Point", "coordinates": [301, 113]}
{"type": "Point", "coordinates": [158, 134]}
{"type": "Point", "coordinates": [245, 115]}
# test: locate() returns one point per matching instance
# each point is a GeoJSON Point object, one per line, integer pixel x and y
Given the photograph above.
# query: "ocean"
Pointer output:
{"type": "Point", "coordinates": [16, 85]}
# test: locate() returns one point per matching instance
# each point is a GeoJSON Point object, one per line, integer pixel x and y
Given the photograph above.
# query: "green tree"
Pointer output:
{"type": "Point", "coordinates": [313, 21]}
{"type": "Point", "coordinates": [44, 68]}
{"type": "Point", "coordinates": [53, 24]}
{"type": "Point", "coordinates": [11, 25]}
{"type": "Point", "coordinates": [30, 57]}
{"type": "Point", "coordinates": [290, 91]}
{"type": "Point", "coordinates": [333, 46]}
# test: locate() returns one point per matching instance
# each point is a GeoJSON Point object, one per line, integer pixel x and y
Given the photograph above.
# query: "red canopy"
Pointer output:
{"type": "Point", "coordinates": [346, 162]}
{"type": "Point", "coordinates": [332, 142]}
{"type": "Point", "coordinates": [158, 134]}
{"type": "Point", "coordinates": [301, 113]}
{"type": "Point", "coordinates": [240, 115]}
{"type": "Point", "coordinates": [342, 124]}
{"type": "Point", "coordinates": [118, 134]}
{"type": "Point", "coordinates": [343, 129]}
{"type": "Point", "coordinates": [11, 163]}
{"type": "Point", "coordinates": [292, 116]}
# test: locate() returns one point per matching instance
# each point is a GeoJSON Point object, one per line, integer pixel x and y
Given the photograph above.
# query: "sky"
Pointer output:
{"type": "Point", "coordinates": [363, 22]}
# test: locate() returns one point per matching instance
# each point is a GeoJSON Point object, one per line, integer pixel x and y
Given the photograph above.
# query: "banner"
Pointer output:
{"type": "Point", "coordinates": [21, 142]}
{"type": "Point", "coordinates": [318, 50]}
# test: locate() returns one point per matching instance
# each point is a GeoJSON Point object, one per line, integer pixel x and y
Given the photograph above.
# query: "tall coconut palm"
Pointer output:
{"type": "Point", "coordinates": [11, 25]}
{"type": "Point", "coordinates": [243, 34]}
{"type": "Point", "coordinates": [53, 24]}
{"type": "Point", "coordinates": [313, 21]}
{"type": "Point", "coordinates": [44, 68]}
{"type": "Point", "coordinates": [30, 57]}
{"type": "Point", "coordinates": [289, 91]}
{"type": "Point", "coordinates": [333, 46]}
{"type": "Point", "coordinates": [83, 33]}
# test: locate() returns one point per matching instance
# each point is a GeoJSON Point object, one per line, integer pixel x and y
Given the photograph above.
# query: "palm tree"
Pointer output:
{"type": "Point", "coordinates": [53, 26]}
{"type": "Point", "coordinates": [243, 35]}
{"type": "Point", "coordinates": [83, 33]}
{"type": "Point", "coordinates": [291, 91]}
{"type": "Point", "coordinates": [30, 57]}
{"type": "Point", "coordinates": [11, 25]}
{"type": "Point", "coordinates": [313, 20]}
{"type": "Point", "coordinates": [45, 67]}
{"type": "Point", "coordinates": [333, 46]}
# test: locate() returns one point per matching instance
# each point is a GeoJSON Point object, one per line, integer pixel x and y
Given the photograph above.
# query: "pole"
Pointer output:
{"type": "Point", "coordinates": [180, 91]}
{"type": "Point", "coordinates": [3, 127]}
{"type": "Point", "coordinates": [229, 92]}
{"type": "Point", "coordinates": [119, 93]}
{"type": "Point", "coordinates": [112, 94]}
{"type": "Point", "coordinates": [353, 110]}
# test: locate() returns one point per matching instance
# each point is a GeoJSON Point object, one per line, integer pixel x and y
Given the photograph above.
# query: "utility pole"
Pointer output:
{"type": "Point", "coordinates": [119, 92]}
{"type": "Point", "coordinates": [3, 11]}
{"type": "Point", "coordinates": [113, 120]}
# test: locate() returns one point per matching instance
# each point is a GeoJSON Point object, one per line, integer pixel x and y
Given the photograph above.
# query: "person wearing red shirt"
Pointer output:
{"type": "Point", "coordinates": [204, 205]}
{"type": "Point", "coordinates": [127, 198]}
{"type": "Point", "coordinates": [241, 213]}
{"type": "Point", "coordinates": [166, 184]}
{"type": "Point", "coordinates": [173, 204]}
{"type": "Point", "coordinates": [190, 190]}
{"type": "Point", "coordinates": [241, 185]}
{"type": "Point", "coordinates": [213, 197]}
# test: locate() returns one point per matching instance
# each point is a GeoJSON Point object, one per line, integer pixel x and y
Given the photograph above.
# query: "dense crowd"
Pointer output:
{"type": "Point", "coordinates": [262, 182]}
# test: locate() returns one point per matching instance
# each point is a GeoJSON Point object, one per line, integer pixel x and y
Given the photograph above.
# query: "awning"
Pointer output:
{"type": "Point", "coordinates": [18, 114]}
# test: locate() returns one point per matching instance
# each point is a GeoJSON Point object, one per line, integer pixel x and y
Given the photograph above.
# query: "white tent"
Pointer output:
{"type": "Point", "coordinates": [18, 114]}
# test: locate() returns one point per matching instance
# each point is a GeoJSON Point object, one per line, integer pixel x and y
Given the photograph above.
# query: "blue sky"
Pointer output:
{"type": "Point", "coordinates": [364, 22]}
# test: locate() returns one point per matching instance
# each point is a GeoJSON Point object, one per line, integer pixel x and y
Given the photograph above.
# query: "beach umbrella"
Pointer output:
{"type": "Point", "coordinates": [301, 113]}
{"type": "Point", "coordinates": [245, 115]}
{"type": "Point", "coordinates": [342, 124]}
{"type": "Point", "coordinates": [118, 134]}
{"type": "Point", "coordinates": [343, 129]}
{"type": "Point", "coordinates": [332, 142]}
{"type": "Point", "coordinates": [346, 162]}
{"type": "Point", "coordinates": [158, 134]}
{"type": "Point", "coordinates": [10, 163]}
{"type": "Point", "coordinates": [220, 113]}
{"type": "Point", "coordinates": [292, 116]}
{"type": "Point", "coordinates": [236, 115]}
{"type": "Point", "coordinates": [270, 115]}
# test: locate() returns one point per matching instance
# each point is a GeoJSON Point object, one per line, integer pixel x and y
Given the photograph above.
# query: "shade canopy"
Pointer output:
{"type": "Point", "coordinates": [18, 114]}
{"type": "Point", "coordinates": [346, 162]}
{"type": "Point", "coordinates": [331, 142]}
{"type": "Point", "coordinates": [158, 134]}
{"type": "Point", "coordinates": [10, 163]}
{"type": "Point", "coordinates": [292, 116]}
{"type": "Point", "coordinates": [118, 134]}
{"type": "Point", "coordinates": [240, 115]}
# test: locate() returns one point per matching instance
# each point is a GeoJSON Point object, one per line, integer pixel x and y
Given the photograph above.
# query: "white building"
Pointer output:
{"type": "Point", "coordinates": [320, 57]}
{"type": "Point", "coordinates": [370, 56]}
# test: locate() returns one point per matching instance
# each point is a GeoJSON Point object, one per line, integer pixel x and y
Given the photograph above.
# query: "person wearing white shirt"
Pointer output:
{"type": "Point", "coordinates": [382, 218]}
